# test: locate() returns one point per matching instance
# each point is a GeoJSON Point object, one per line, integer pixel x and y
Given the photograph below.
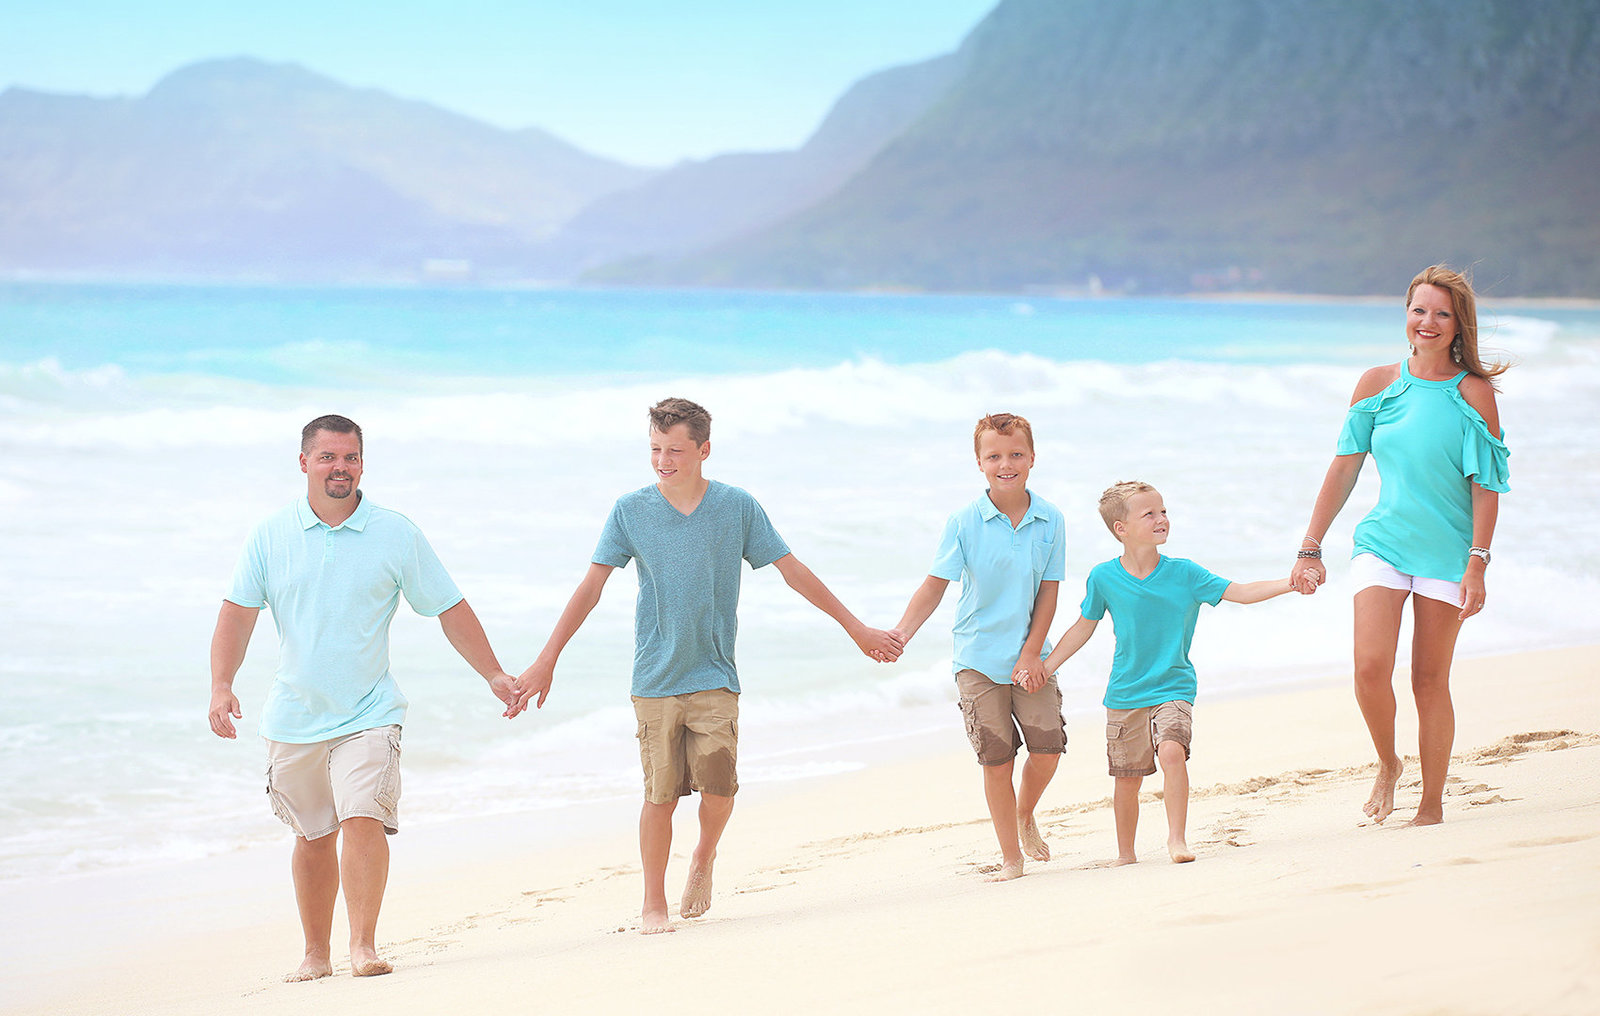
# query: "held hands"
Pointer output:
{"type": "Point", "coordinates": [1029, 675]}
{"type": "Point", "coordinates": [535, 681]}
{"type": "Point", "coordinates": [880, 645]}
{"type": "Point", "coordinates": [1307, 574]}
{"type": "Point", "coordinates": [504, 687]}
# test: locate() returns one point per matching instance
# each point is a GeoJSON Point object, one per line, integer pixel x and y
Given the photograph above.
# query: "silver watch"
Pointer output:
{"type": "Point", "coordinates": [1482, 552]}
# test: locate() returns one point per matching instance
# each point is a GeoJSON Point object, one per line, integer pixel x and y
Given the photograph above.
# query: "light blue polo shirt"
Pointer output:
{"type": "Point", "coordinates": [1154, 618]}
{"type": "Point", "coordinates": [1000, 569]}
{"type": "Point", "coordinates": [333, 591]}
{"type": "Point", "coordinates": [686, 618]}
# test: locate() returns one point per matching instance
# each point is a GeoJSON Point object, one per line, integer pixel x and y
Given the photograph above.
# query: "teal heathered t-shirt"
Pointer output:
{"type": "Point", "coordinates": [1430, 446]}
{"type": "Point", "coordinates": [686, 618]}
{"type": "Point", "coordinates": [1154, 619]}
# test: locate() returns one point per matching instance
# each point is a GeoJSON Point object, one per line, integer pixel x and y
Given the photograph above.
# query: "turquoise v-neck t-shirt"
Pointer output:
{"type": "Point", "coordinates": [1154, 619]}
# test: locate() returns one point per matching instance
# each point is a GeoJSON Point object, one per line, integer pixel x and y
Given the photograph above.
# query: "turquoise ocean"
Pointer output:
{"type": "Point", "coordinates": [144, 429]}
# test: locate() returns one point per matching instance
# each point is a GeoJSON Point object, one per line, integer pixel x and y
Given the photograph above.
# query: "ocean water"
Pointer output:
{"type": "Point", "coordinates": [145, 429]}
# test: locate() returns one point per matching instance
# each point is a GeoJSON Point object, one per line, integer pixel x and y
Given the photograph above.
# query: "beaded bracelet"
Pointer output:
{"type": "Point", "coordinates": [1313, 554]}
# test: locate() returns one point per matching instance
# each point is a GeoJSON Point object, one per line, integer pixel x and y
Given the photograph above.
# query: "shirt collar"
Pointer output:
{"type": "Point", "coordinates": [357, 520]}
{"type": "Point", "coordinates": [989, 512]}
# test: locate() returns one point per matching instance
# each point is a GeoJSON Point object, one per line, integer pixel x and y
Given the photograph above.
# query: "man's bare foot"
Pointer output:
{"type": "Point", "coordinates": [655, 922]}
{"type": "Point", "coordinates": [1007, 871]}
{"type": "Point", "coordinates": [1381, 803]}
{"type": "Point", "coordinates": [365, 962]}
{"type": "Point", "coordinates": [1181, 854]}
{"type": "Point", "coordinates": [1032, 840]}
{"type": "Point", "coordinates": [311, 969]}
{"type": "Point", "coordinates": [697, 889]}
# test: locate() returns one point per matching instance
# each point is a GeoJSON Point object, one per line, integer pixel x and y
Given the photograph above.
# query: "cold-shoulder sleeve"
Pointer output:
{"type": "Point", "coordinates": [1484, 457]}
{"type": "Point", "coordinates": [1356, 435]}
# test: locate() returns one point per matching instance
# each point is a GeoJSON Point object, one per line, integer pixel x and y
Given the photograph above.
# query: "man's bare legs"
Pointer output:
{"type": "Point", "coordinates": [1002, 800]}
{"type": "Point", "coordinates": [714, 814]}
{"type": "Point", "coordinates": [364, 866]}
{"type": "Point", "coordinates": [1037, 773]}
{"type": "Point", "coordinates": [1125, 808]}
{"type": "Point", "coordinates": [1377, 636]}
{"type": "Point", "coordinates": [1175, 795]}
{"type": "Point", "coordinates": [315, 865]}
{"type": "Point", "coordinates": [1433, 646]}
{"type": "Point", "coordinates": [655, 846]}
{"type": "Point", "coordinates": [319, 867]}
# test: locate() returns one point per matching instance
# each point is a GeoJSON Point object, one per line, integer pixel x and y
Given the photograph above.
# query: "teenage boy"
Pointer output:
{"type": "Point", "coordinates": [688, 535]}
{"type": "Point", "coordinates": [1008, 548]}
{"type": "Point", "coordinates": [333, 566]}
{"type": "Point", "coordinates": [1154, 602]}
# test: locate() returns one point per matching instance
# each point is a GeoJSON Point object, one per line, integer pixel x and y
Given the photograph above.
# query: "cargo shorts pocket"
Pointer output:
{"type": "Point", "coordinates": [387, 794]}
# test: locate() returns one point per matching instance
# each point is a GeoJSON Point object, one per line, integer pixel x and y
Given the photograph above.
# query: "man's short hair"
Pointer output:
{"type": "Point", "coordinates": [1114, 501]}
{"type": "Point", "coordinates": [668, 413]}
{"type": "Point", "coordinates": [334, 424]}
{"type": "Point", "coordinates": [1003, 423]}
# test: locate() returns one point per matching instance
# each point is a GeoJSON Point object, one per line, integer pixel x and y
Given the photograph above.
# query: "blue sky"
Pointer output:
{"type": "Point", "coordinates": [646, 81]}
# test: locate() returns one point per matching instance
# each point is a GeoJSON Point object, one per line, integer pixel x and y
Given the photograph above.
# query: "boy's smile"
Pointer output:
{"type": "Point", "coordinates": [1146, 524]}
{"type": "Point", "coordinates": [675, 456]}
{"type": "Point", "coordinates": [1005, 460]}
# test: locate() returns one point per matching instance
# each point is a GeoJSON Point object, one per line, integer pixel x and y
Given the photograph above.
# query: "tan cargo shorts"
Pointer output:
{"type": "Point", "coordinates": [314, 787]}
{"type": "Point", "coordinates": [689, 742]}
{"type": "Point", "coordinates": [1001, 718]}
{"type": "Point", "coordinates": [1132, 735]}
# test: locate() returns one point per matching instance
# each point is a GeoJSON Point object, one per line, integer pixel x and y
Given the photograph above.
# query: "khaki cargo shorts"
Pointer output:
{"type": "Point", "coordinates": [1001, 718]}
{"type": "Point", "coordinates": [689, 742]}
{"type": "Point", "coordinates": [314, 787]}
{"type": "Point", "coordinates": [1132, 735]}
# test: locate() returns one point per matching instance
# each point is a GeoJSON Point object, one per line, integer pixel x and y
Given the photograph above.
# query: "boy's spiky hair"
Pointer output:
{"type": "Point", "coordinates": [1002, 423]}
{"type": "Point", "coordinates": [1114, 501]}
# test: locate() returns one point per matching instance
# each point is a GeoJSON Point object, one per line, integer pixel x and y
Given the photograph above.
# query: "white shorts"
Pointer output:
{"type": "Point", "coordinates": [1367, 570]}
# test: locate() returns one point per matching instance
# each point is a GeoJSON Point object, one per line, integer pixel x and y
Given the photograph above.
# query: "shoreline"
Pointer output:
{"type": "Point", "coordinates": [870, 876]}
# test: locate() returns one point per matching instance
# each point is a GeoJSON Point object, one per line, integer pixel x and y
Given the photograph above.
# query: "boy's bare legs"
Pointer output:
{"type": "Point", "coordinates": [655, 846]}
{"type": "Point", "coordinates": [364, 867]}
{"type": "Point", "coordinates": [1125, 806]}
{"type": "Point", "coordinates": [315, 866]}
{"type": "Point", "coordinates": [1377, 634]}
{"type": "Point", "coordinates": [714, 814]}
{"type": "Point", "coordinates": [1175, 795]}
{"type": "Point", "coordinates": [1433, 645]}
{"type": "Point", "coordinates": [1002, 800]}
{"type": "Point", "coordinates": [1037, 772]}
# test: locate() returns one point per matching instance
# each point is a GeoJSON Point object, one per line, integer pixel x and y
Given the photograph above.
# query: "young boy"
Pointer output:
{"type": "Point", "coordinates": [688, 535]}
{"type": "Point", "coordinates": [1008, 548]}
{"type": "Point", "coordinates": [1154, 601]}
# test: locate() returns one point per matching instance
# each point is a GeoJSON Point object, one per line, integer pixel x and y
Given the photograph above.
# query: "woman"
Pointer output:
{"type": "Point", "coordinates": [1431, 423]}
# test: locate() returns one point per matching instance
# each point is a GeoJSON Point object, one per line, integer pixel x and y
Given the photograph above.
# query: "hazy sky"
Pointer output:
{"type": "Point", "coordinates": [647, 81]}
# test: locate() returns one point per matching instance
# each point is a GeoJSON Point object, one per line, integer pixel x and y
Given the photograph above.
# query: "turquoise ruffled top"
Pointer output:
{"type": "Point", "coordinates": [1430, 447]}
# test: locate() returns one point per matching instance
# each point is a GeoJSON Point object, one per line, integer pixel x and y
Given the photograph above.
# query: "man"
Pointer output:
{"type": "Point", "coordinates": [333, 566]}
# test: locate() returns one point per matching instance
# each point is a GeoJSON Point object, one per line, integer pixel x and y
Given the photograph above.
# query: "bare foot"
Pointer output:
{"type": "Point", "coordinates": [365, 962]}
{"type": "Point", "coordinates": [697, 890]}
{"type": "Point", "coordinates": [1180, 852]}
{"type": "Point", "coordinates": [311, 969]}
{"type": "Point", "coordinates": [655, 924]}
{"type": "Point", "coordinates": [1033, 843]}
{"type": "Point", "coordinates": [1007, 871]}
{"type": "Point", "coordinates": [1428, 816]}
{"type": "Point", "coordinates": [1381, 803]}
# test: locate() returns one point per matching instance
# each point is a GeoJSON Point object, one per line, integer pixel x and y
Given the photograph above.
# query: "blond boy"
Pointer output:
{"type": "Point", "coordinates": [1154, 601]}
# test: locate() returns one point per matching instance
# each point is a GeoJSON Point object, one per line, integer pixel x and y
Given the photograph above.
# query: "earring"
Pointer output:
{"type": "Point", "coordinates": [1455, 349]}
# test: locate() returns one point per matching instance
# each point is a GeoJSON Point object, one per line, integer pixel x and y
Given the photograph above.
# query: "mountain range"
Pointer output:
{"type": "Point", "coordinates": [1330, 146]}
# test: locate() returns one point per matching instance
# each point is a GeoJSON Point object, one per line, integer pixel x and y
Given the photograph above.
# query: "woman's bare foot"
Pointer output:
{"type": "Point", "coordinates": [1429, 816]}
{"type": "Point", "coordinates": [1007, 871]}
{"type": "Point", "coordinates": [1181, 854]}
{"type": "Point", "coordinates": [311, 968]}
{"type": "Point", "coordinates": [654, 922]}
{"type": "Point", "coordinates": [365, 962]}
{"type": "Point", "coordinates": [1381, 803]}
{"type": "Point", "coordinates": [1032, 840]}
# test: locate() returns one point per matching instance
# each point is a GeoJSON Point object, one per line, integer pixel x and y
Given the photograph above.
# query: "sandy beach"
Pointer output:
{"type": "Point", "coordinates": [863, 892]}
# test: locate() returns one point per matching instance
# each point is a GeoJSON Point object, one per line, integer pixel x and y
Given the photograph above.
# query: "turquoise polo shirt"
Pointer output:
{"type": "Point", "coordinates": [1154, 618]}
{"type": "Point", "coordinates": [1000, 569]}
{"type": "Point", "coordinates": [333, 591]}
{"type": "Point", "coordinates": [686, 619]}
